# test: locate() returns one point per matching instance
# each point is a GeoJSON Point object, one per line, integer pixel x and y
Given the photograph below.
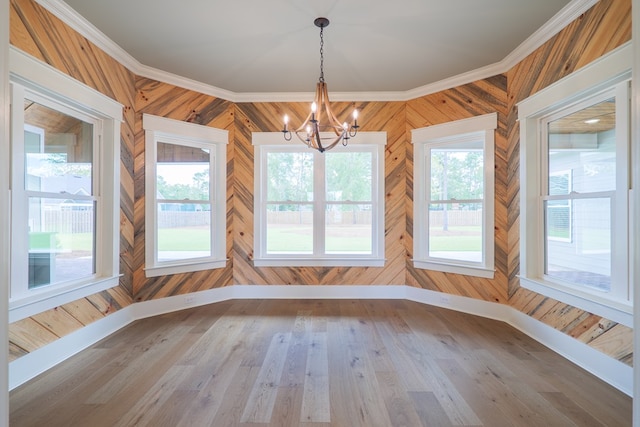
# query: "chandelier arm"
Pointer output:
{"type": "Point", "coordinates": [335, 142]}
{"type": "Point", "coordinates": [334, 121]}
{"type": "Point", "coordinates": [317, 140]}
{"type": "Point", "coordinates": [303, 126]}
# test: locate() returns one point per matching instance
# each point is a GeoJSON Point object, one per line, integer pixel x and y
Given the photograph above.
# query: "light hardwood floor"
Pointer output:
{"type": "Point", "coordinates": [317, 363]}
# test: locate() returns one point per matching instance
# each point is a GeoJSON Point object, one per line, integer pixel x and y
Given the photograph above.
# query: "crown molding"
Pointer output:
{"type": "Point", "coordinates": [69, 16]}
{"type": "Point", "coordinates": [552, 27]}
{"type": "Point", "coordinates": [184, 82]}
{"type": "Point", "coordinates": [455, 81]}
{"type": "Point", "coordinates": [307, 96]}
{"type": "Point", "coordinates": [76, 21]}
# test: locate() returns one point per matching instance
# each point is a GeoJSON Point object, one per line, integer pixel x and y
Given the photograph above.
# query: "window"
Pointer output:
{"type": "Point", "coordinates": [64, 180]}
{"type": "Point", "coordinates": [575, 185]}
{"type": "Point", "coordinates": [319, 209]}
{"type": "Point", "coordinates": [185, 190]}
{"type": "Point", "coordinates": [453, 196]}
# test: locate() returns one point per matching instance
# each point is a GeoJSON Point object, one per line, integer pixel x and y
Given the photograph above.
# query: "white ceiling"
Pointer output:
{"type": "Point", "coordinates": [259, 46]}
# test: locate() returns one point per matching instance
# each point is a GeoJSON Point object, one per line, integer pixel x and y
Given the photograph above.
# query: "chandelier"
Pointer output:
{"type": "Point", "coordinates": [321, 118]}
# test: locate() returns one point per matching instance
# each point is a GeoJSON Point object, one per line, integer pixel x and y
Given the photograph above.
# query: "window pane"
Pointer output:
{"type": "Point", "coordinates": [58, 151]}
{"type": "Point", "coordinates": [584, 144]}
{"type": "Point", "coordinates": [348, 176]}
{"type": "Point", "coordinates": [61, 240]}
{"type": "Point", "coordinates": [290, 176]}
{"type": "Point", "coordinates": [289, 229]}
{"type": "Point", "coordinates": [348, 229]}
{"type": "Point", "coordinates": [182, 172]}
{"type": "Point", "coordinates": [456, 174]}
{"type": "Point", "coordinates": [583, 256]}
{"type": "Point", "coordinates": [455, 231]}
{"type": "Point", "coordinates": [184, 231]}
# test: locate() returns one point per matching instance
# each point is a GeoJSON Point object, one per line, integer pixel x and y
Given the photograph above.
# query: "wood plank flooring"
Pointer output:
{"type": "Point", "coordinates": [317, 363]}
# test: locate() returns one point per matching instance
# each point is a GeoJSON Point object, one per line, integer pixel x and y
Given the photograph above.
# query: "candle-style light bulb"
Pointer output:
{"type": "Point", "coordinates": [286, 122]}
{"type": "Point", "coordinates": [345, 126]}
{"type": "Point", "coordinates": [354, 129]}
{"type": "Point", "coordinates": [314, 107]}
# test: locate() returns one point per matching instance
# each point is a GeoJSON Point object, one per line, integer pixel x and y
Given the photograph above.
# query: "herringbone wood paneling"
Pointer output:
{"type": "Point", "coordinates": [604, 27]}
{"type": "Point", "coordinates": [40, 34]}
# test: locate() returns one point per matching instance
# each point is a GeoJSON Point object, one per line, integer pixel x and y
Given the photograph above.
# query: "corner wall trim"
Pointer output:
{"type": "Point", "coordinates": [604, 367]}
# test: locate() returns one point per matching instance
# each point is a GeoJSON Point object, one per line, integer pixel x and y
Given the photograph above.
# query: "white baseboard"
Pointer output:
{"type": "Point", "coordinates": [608, 369]}
{"type": "Point", "coordinates": [319, 292]}
{"type": "Point", "coordinates": [604, 367]}
{"type": "Point", "coordinates": [33, 364]}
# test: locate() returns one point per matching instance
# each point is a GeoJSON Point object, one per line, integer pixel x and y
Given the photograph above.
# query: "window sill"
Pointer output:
{"type": "Point", "coordinates": [618, 311]}
{"type": "Point", "coordinates": [189, 267]}
{"type": "Point", "coordinates": [318, 262]}
{"type": "Point", "coordinates": [466, 270]}
{"type": "Point", "coordinates": [51, 297]}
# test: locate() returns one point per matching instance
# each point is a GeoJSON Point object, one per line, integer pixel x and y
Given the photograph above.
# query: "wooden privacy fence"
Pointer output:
{"type": "Point", "coordinates": [436, 218]}
{"type": "Point", "coordinates": [67, 221]}
{"type": "Point", "coordinates": [173, 219]}
{"type": "Point", "coordinates": [81, 221]}
{"type": "Point", "coordinates": [455, 218]}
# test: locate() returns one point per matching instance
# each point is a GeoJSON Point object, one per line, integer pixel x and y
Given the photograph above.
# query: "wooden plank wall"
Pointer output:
{"type": "Point", "coordinates": [40, 34]}
{"type": "Point", "coordinates": [161, 99]}
{"type": "Point", "coordinates": [37, 32]}
{"type": "Point", "coordinates": [604, 27]}
{"type": "Point", "coordinates": [474, 99]}
{"type": "Point", "coordinates": [266, 117]}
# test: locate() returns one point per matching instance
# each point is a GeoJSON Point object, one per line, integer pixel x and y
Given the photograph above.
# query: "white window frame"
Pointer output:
{"type": "Point", "coordinates": [440, 136]}
{"type": "Point", "coordinates": [610, 73]}
{"type": "Point", "coordinates": [32, 77]}
{"type": "Point", "coordinates": [161, 129]}
{"type": "Point", "coordinates": [265, 142]}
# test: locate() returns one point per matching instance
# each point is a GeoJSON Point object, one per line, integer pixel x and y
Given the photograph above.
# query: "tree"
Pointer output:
{"type": "Point", "coordinates": [198, 189]}
{"type": "Point", "coordinates": [456, 175]}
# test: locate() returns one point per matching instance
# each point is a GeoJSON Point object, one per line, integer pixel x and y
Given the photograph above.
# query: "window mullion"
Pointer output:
{"type": "Point", "coordinates": [319, 203]}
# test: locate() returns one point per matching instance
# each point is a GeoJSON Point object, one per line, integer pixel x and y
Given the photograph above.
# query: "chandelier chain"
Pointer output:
{"type": "Point", "coordinates": [321, 54]}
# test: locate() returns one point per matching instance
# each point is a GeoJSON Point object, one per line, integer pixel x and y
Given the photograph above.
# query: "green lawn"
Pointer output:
{"type": "Point", "coordinates": [61, 241]}
{"type": "Point", "coordinates": [294, 239]}
{"type": "Point", "coordinates": [459, 239]}
{"type": "Point", "coordinates": [184, 239]}
{"type": "Point", "coordinates": [291, 239]}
